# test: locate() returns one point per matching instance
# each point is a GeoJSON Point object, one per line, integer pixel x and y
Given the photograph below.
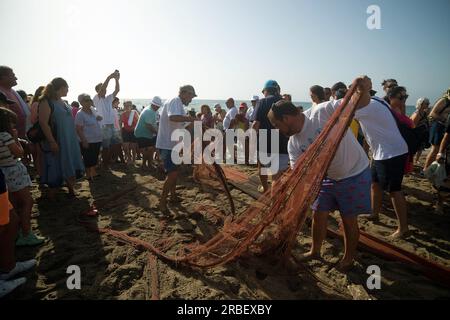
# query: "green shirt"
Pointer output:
{"type": "Point", "coordinates": [148, 116]}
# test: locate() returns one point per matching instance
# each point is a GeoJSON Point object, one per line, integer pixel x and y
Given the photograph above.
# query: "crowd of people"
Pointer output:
{"type": "Point", "coordinates": [67, 142]}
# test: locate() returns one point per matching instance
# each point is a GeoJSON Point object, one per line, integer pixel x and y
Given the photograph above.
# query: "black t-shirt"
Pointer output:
{"type": "Point", "coordinates": [264, 106]}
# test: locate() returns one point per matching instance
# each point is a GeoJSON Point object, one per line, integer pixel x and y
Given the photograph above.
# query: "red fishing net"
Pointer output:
{"type": "Point", "coordinates": [269, 226]}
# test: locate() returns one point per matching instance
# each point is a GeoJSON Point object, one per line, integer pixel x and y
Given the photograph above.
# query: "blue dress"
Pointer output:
{"type": "Point", "coordinates": [67, 163]}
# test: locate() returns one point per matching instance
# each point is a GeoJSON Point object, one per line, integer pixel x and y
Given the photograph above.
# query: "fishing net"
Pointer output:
{"type": "Point", "coordinates": [269, 226]}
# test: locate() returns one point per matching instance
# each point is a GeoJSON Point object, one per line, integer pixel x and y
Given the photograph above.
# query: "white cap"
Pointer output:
{"type": "Point", "coordinates": [156, 101]}
{"type": "Point", "coordinates": [254, 98]}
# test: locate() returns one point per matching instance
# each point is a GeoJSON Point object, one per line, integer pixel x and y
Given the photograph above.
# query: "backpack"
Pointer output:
{"type": "Point", "coordinates": [412, 136]}
{"type": "Point", "coordinates": [35, 133]}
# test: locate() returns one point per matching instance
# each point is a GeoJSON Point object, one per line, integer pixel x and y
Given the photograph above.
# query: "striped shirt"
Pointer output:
{"type": "Point", "coordinates": [6, 157]}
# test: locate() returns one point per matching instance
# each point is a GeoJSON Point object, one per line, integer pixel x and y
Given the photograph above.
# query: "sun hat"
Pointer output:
{"type": "Point", "coordinates": [156, 101]}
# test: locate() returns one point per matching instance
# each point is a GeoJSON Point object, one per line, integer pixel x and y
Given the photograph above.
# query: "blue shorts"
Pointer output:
{"type": "Point", "coordinates": [350, 196]}
{"type": "Point", "coordinates": [110, 136]}
{"type": "Point", "coordinates": [166, 156]}
{"type": "Point", "coordinates": [437, 132]}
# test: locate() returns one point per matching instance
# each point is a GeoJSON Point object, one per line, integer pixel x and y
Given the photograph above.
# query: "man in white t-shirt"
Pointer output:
{"type": "Point", "coordinates": [228, 123]}
{"type": "Point", "coordinates": [231, 114]}
{"type": "Point", "coordinates": [104, 108]}
{"type": "Point", "coordinates": [173, 117]}
{"type": "Point", "coordinates": [347, 184]}
{"type": "Point", "coordinates": [390, 153]}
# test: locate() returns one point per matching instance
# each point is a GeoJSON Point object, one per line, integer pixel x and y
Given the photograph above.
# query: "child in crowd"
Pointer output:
{"type": "Point", "coordinates": [16, 177]}
{"type": "Point", "coordinates": [9, 269]}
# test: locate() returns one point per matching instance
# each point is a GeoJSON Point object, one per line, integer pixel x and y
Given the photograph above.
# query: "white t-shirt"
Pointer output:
{"type": "Point", "coordinates": [350, 159]}
{"type": "Point", "coordinates": [381, 131]}
{"type": "Point", "coordinates": [104, 109]}
{"type": "Point", "coordinates": [172, 107]}
{"type": "Point", "coordinates": [231, 114]}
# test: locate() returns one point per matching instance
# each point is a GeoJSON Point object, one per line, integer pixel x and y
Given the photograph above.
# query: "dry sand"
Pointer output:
{"type": "Point", "coordinates": [111, 270]}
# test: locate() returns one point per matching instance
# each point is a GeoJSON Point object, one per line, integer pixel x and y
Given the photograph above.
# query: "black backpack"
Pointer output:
{"type": "Point", "coordinates": [35, 133]}
{"type": "Point", "coordinates": [410, 135]}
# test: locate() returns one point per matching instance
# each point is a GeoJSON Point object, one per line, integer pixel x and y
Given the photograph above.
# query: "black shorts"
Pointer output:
{"type": "Point", "coordinates": [128, 137]}
{"type": "Point", "coordinates": [90, 155]}
{"type": "Point", "coordinates": [146, 143]}
{"type": "Point", "coordinates": [389, 173]}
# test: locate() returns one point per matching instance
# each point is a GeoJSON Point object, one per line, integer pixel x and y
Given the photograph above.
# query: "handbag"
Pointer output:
{"type": "Point", "coordinates": [35, 133]}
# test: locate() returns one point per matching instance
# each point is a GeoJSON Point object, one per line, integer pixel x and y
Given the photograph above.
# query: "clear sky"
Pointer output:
{"type": "Point", "coordinates": [225, 48]}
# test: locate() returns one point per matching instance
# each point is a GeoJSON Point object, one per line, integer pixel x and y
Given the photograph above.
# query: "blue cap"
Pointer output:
{"type": "Point", "coordinates": [271, 84]}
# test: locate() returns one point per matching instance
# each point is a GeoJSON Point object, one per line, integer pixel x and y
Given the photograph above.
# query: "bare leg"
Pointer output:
{"type": "Point", "coordinates": [400, 207]}
{"type": "Point", "coordinates": [264, 179]}
{"type": "Point", "coordinates": [145, 159]}
{"type": "Point", "coordinates": [134, 150]}
{"type": "Point", "coordinates": [169, 186]}
{"type": "Point", "coordinates": [126, 150]}
{"type": "Point", "coordinates": [431, 156]}
{"type": "Point", "coordinates": [319, 233]}
{"type": "Point", "coordinates": [418, 155]}
{"type": "Point", "coordinates": [24, 203]}
{"type": "Point", "coordinates": [377, 199]}
{"type": "Point", "coordinates": [150, 155]}
{"type": "Point", "coordinates": [351, 237]}
{"type": "Point", "coordinates": [70, 185]}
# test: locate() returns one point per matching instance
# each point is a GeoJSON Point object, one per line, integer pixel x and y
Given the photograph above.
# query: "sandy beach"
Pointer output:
{"type": "Point", "coordinates": [112, 270]}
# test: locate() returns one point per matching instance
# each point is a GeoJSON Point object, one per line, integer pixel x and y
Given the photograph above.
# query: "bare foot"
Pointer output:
{"type": "Point", "coordinates": [261, 189]}
{"type": "Point", "coordinates": [309, 256]}
{"type": "Point", "coordinates": [399, 235]}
